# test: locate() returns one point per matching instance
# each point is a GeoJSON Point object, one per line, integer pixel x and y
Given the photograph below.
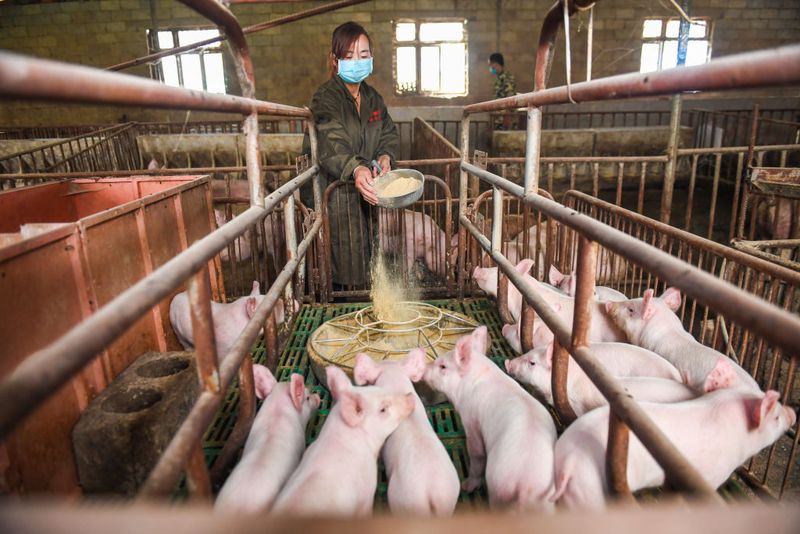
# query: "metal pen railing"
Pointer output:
{"type": "Point", "coordinates": [28, 386]}
{"type": "Point", "coordinates": [776, 67]}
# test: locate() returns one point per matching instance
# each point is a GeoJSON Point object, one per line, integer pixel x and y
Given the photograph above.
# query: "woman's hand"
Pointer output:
{"type": "Point", "coordinates": [364, 181]}
{"type": "Point", "coordinates": [386, 164]}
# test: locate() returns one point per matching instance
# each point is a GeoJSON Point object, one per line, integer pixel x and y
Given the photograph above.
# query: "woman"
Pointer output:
{"type": "Point", "coordinates": [353, 129]}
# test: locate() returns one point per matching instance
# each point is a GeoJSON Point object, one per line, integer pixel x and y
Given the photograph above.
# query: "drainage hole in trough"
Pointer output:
{"type": "Point", "coordinates": [131, 400]}
{"type": "Point", "coordinates": [159, 368]}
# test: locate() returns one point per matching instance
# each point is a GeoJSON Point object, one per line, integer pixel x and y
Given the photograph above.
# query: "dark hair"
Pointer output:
{"type": "Point", "coordinates": [343, 37]}
{"type": "Point", "coordinates": [497, 57]}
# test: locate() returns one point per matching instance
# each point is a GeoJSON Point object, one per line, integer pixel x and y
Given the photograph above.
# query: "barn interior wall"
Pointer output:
{"type": "Point", "coordinates": [290, 60]}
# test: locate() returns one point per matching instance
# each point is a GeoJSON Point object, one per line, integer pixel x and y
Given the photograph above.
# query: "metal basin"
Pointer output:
{"type": "Point", "coordinates": [402, 201]}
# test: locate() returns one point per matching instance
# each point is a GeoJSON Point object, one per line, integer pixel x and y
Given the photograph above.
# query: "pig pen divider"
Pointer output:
{"type": "Point", "coordinates": [756, 69]}
{"type": "Point", "coordinates": [30, 383]}
{"type": "Point", "coordinates": [773, 368]}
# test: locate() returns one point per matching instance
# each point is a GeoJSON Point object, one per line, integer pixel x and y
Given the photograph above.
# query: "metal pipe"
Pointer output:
{"type": "Point", "coordinates": [116, 129]}
{"type": "Point", "coordinates": [222, 16]}
{"type": "Point", "coordinates": [250, 29]}
{"type": "Point", "coordinates": [533, 150]}
{"type": "Point", "coordinates": [775, 325]}
{"type": "Point", "coordinates": [558, 383]}
{"type": "Point", "coordinates": [672, 152]}
{"type": "Point", "coordinates": [290, 234]}
{"type": "Point", "coordinates": [678, 470]}
{"type": "Point", "coordinates": [167, 471]}
{"type": "Point", "coordinates": [245, 413]}
{"type": "Point", "coordinates": [579, 159]}
{"type": "Point", "coordinates": [217, 13]}
{"type": "Point", "coordinates": [197, 480]}
{"type": "Point", "coordinates": [617, 458]}
{"type": "Point", "coordinates": [41, 79]}
{"type": "Point", "coordinates": [589, 42]}
{"type": "Point", "coordinates": [527, 316]}
{"type": "Point", "coordinates": [774, 67]}
{"type": "Point", "coordinates": [47, 369]}
{"type": "Point", "coordinates": [546, 48]}
{"type": "Point", "coordinates": [205, 346]}
{"type": "Point", "coordinates": [138, 172]}
{"type": "Point", "coordinates": [462, 206]}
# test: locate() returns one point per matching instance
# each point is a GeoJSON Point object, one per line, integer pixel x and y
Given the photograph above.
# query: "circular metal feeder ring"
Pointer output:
{"type": "Point", "coordinates": [338, 341]}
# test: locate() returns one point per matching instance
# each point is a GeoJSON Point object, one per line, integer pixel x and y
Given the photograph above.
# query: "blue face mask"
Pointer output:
{"type": "Point", "coordinates": [355, 70]}
{"type": "Point", "coordinates": [493, 70]}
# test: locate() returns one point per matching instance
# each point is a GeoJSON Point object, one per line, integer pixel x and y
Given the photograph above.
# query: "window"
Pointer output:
{"type": "Point", "coordinates": [660, 44]}
{"type": "Point", "coordinates": [430, 58]}
{"type": "Point", "coordinates": [200, 68]}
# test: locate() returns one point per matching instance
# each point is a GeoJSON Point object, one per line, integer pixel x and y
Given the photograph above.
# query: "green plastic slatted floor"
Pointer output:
{"type": "Point", "coordinates": [443, 417]}
{"type": "Point", "coordinates": [294, 359]}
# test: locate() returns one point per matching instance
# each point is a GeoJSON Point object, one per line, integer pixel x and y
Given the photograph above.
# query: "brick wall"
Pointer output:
{"type": "Point", "coordinates": [290, 60]}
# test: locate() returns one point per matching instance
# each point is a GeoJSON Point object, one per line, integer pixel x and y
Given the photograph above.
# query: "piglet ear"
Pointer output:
{"type": "Point", "coordinates": [264, 381]}
{"type": "Point", "coordinates": [250, 306]}
{"type": "Point", "coordinates": [672, 298]}
{"type": "Point", "coordinates": [366, 370]}
{"type": "Point", "coordinates": [648, 309]}
{"type": "Point", "coordinates": [763, 408]}
{"type": "Point", "coordinates": [337, 381]}
{"type": "Point", "coordinates": [555, 276]}
{"type": "Point", "coordinates": [524, 266]}
{"type": "Point", "coordinates": [297, 390]}
{"type": "Point", "coordinates": [256, 289]}
{"type": "Point", "coordinates": [573, 283]}
{"type": "Point", "coordinates": [463, 352]}
{"type": "Point", "coordinates": [351, 406]}
{"type": "Point", "coordinates": [721, 376]}
{"type": "Point", "coordinates": [479, 339]}
{"type": "Point", "coordinates": [547, 361]}
{"type": "Point", "coordinates": [415, 363]}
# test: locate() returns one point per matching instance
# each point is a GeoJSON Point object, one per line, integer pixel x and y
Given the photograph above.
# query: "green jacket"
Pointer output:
{"type": "Point", "coordinates": [345, 140]}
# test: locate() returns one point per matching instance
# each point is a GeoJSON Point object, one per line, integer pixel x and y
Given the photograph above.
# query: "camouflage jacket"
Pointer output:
{"type": "Point", "coordinates": [504, 85]}
{"type": "Point", "coordinates": [347, 139]}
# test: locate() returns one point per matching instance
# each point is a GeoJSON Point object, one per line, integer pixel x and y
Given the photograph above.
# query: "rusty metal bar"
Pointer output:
{"type": "Point", "coordinates": [462, 206]}
{"type": "Point", "coordinates": [205, 347]}
{"type": "Point", "coordinates": [527, 316]}
{"type": "Point", "coordinates": [116, 129]}
{"type": "Point", "coordinates": [558, 383]}
{"type": "Point", "coordinates": [197, 480]}
{"type": "Point", "coordinates": [584, 292]}
{"type": "Point", "coordinates": [589, 43]}
{"type": "Point", "coordinates": [735, 149]}
{"type": "Point", "coordinates": [532, 150]}
{"type": "Point", "coordinates": [578, 159]}
{"type": "Point", "coordinates": [222, 16]}
{"type": "Point", "coordinates": [429, 161]}
{"type": "Point", "coordinates": [250, 29]}
{"type": "Point", "coordinates": [546, 47]}
{"type": "Point", "coordinates": [678, 471]}
{"type": "Point", "coordinates": [245, 413]}
{"type": "Point", "coordinates": [27, 386]}
{"type": "Point", "coordinates": [138, 172]}
{"type": "Point", "coordinates": [40, 79]}
{"type": "Point", "coordinates": [778, 326]}
{"type": "Point", "coordinates": [676, 106]}
{"type": "Point", "coordinates": [774, 67]}
{"type": "Point", "coordinates": [167, 471]}
{"type": "Point", "coordinates": [617, 458]}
